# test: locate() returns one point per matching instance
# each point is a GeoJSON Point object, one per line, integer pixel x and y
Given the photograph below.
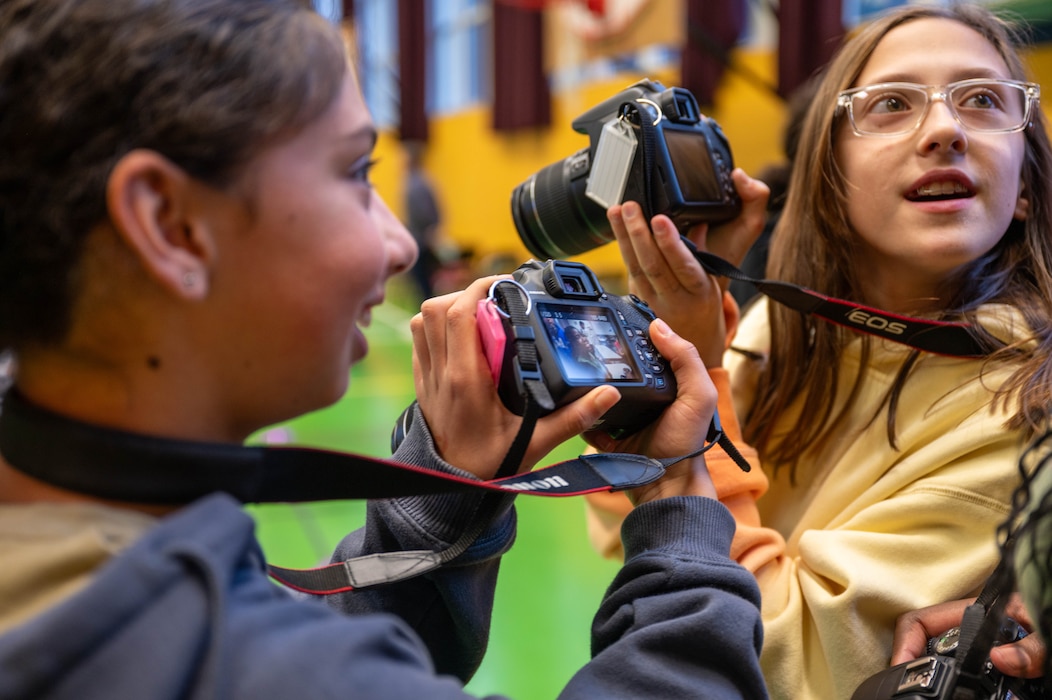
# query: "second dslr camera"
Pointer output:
{"type": "Point", "coordinates": [685, 172]}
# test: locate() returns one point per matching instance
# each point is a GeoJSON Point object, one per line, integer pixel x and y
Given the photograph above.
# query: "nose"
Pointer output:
{"type": "Point", "coordinates": [940, 129]}
{"type": "Point", "coordinates": [402, 249]}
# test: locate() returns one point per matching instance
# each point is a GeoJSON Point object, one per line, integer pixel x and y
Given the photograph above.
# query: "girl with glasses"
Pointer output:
{"type": "Point", "coordinates": [921, 190]}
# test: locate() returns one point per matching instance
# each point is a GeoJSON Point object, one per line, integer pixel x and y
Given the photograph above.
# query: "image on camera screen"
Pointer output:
{"type": "Point", "coordinates": [588, 344]}
{"type": "Point", "coordinates": [693, 165]}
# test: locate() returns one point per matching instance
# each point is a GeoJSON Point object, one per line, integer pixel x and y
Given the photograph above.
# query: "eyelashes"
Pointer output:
{"type": "Point", "coordinates": [360, 171]}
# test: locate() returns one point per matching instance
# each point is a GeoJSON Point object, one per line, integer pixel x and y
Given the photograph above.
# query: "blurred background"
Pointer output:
{"type": "Point", "coordinates": [474, 96]}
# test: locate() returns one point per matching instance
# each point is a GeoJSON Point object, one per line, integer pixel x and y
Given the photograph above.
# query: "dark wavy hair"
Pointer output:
{"type": "Point", "coordinates": [813, 226]}
{"type": "Point", "coordinates": [206, 83]}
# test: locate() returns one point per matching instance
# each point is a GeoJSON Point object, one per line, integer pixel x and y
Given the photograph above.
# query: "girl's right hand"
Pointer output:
{"type": "Point", "coordinates": [679, 430]}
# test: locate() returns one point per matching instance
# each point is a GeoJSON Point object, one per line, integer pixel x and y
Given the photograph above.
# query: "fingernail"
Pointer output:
{"type": "Point", "coordinates": [659, 327]}
{"type": "Point", "coordinates": [630, 210]}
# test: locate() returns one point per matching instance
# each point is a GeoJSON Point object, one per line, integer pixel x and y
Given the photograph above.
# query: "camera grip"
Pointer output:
{"type": "Point", "coordinates": [493, 336]}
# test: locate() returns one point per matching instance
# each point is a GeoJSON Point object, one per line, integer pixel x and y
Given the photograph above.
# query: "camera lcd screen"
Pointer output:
{"type": "Point", "coordinates": [689, 152]}
{"type": "Point", "coordinates": [588, 344]}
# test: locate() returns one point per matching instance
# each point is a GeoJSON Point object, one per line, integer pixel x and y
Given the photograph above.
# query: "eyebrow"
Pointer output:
{"type": "Point", "coordinates": [959, 74]}
{"type": "Point", "coordinates": [362, 133]}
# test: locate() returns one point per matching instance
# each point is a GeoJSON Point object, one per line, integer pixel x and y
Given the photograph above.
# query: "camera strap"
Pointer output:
{"type": "Point", "coordinates": [939, 337]}
{"type": "Point", "coordinates": [979, 629]}
{"type": "Point", "coordinates": [648, 139]}
{"type": "Point", "coordinates": [116, 465]}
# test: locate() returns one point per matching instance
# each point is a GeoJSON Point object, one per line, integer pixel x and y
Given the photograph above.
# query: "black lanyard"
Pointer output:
{"type": "Point", "coordinates": [116, 465]}
{"type": "Point", "coordinates": [939, 337]}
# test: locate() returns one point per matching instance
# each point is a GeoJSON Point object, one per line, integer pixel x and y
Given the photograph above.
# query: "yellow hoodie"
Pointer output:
{"type": "Point", "coordinates": [867, 532]}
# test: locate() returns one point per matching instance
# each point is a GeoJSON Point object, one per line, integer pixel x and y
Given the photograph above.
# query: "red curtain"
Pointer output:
{"type": "Point", "coordinates": [412, 50]}
{"type": "Point", "coordinates": [809, 33]}
{"type": "Point", "coordinates": [713, 28]}
{"type": "Point", "coordinates": [521, 96]}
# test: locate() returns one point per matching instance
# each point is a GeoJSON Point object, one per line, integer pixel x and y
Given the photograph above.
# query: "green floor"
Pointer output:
{"type": "Point", "coordinates": [551, 581]}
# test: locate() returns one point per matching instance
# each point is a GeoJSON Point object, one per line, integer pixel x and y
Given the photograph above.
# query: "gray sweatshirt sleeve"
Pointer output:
{"type": "Point", "coordinates": [449, 608]}
{"type": "Point", "coordinates": [681, 619]}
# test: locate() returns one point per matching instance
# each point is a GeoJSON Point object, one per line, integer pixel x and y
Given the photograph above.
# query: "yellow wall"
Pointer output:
{"type": "Point", "coordinates": [475, 170]}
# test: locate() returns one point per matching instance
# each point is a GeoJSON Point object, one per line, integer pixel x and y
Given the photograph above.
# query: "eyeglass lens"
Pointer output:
{"type": "Point", "coordinates": [893, 108]}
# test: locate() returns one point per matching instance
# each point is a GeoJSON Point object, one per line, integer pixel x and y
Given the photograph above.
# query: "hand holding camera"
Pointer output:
{"type": "Point", "coordinates": [678, 175]}
{"type": "Point", "coordinates": [551, 335]}
{"type": "Point", "coordinates": [914, 630]}
{"type": "Point", "coordinates": [647, 144]}
{"type": "Point", "coordinates": [459, 399]}
{"type": "Point", "coordinates": [675, 432]}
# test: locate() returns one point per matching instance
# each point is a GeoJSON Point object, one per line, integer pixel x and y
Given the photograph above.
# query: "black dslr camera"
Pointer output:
{"type": "Point", "coordinates": [937, 675]}
{"type": "Point", "coordinates": [648, 144]}
{"type": "Point", "coordinates": [581, 337]}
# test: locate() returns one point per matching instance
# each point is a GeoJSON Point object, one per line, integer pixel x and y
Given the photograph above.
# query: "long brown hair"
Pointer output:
{"type": "Point", "coordinates": [814, 227]}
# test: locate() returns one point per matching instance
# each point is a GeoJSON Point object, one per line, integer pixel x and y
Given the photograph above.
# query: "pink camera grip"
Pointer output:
{"type": "Point", "coordinates": [492, 335]}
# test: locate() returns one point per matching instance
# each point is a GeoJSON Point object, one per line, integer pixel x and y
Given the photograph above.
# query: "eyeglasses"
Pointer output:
{"type": "Point", "coordinates": [979, 104]}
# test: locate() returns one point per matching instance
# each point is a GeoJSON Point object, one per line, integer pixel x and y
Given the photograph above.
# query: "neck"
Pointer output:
{"type": "Point", "coordinates": [901, 292]}
{"type": "Point", "coordinates": [166, 401]}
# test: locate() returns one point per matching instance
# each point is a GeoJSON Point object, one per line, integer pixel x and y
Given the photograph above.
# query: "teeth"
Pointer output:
{"type": "Point", "coordinates": [940, 189]}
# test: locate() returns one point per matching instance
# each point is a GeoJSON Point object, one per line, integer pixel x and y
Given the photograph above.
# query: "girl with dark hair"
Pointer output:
{"type": "Point", "coordinates": [189, 249]}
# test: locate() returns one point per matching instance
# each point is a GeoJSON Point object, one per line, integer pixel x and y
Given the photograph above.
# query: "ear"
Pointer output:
{"type": "Point", "coordinates": [1022, 204]}
{"type": "Point", "coordinates": [150, 204]}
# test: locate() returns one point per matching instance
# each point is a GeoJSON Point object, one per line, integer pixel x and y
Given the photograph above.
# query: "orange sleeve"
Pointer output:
{"type": "Point", "coordinates": [753, 545]}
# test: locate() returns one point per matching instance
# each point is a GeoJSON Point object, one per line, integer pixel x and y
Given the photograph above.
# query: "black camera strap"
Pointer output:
{"type": "Point", "coordinates": [648, 140]}
{"type": "Point", "coordinates": [939, 337]}
{"type": "Point", "coordinates": [116, 465]}
{"type": "Point", "coordinates": [979, 629]}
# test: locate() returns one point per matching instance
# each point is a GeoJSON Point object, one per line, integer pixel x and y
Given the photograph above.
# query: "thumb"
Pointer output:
{"type": "Point", "coordinates": [1022, 659]}
{"type": "Point", "coordinates": [569, 421]}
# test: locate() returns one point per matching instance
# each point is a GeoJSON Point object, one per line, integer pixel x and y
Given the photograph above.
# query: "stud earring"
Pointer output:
{"type": "Point", "coordinates": [189, 280]}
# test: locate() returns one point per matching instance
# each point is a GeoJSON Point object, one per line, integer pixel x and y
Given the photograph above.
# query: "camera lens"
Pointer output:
{"type": "Point", "coordinates": [554, 217]}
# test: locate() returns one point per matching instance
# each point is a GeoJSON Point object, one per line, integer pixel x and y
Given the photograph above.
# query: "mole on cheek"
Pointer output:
{"type": "Point", "coordinates": [153, 362]}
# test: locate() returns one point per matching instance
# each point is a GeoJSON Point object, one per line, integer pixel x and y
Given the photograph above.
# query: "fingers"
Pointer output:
{"type": "Point", "coordinates": [1025, 658]}
{"type": "Point", "coordinates": [693, 382]}
{"type": "Point", "coordinates": [656, 260]}
{"type": "Point", "coordinates": [1022, 659]}
{"type": "Point", "coordinates": [629, 230]}
{"type": "Point", "coordinates": [731, 240]}
{"type": "Point", "coordinates": [446, 325]}
{"type": "Point", "coordinates": [914, 629]}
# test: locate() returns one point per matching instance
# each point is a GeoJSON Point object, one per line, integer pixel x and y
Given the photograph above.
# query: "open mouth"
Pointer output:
{"type": "Point", "coordinates": [939, 191]}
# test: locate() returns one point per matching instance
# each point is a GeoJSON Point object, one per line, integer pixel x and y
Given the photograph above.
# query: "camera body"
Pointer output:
{"type": "Point", "coordinates": [690, 180]}
{"type": "Point", "coordinates": [936, 675]}
{"type": "Point", "coordinates": [584, 338]}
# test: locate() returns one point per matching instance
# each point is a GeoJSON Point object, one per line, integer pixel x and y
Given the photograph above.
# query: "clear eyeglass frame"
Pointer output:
{"type": "Point", "coordinates": [1029, 93]}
